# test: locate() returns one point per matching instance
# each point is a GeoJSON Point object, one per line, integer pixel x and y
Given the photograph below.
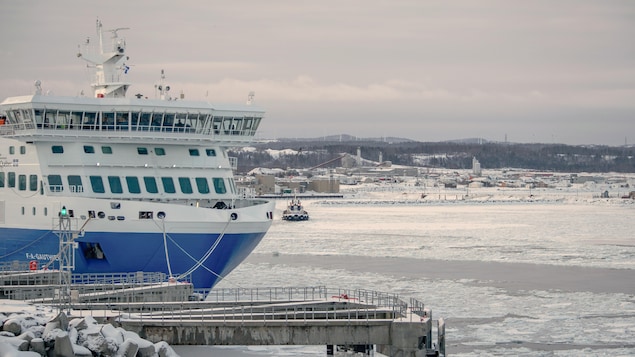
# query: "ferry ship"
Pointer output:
{"type": "Point", "coordinates": [145, 184]}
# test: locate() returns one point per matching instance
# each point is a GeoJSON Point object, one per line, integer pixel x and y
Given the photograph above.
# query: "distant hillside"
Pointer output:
{"type": "Point", "coordinates": [450, 155]}
{"type": "Point", "coordinates": [347, 138]}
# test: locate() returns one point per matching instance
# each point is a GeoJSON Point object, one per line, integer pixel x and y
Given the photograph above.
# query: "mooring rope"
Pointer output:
{"type": "Point", "coordinates": [165, 245]}
{"type": "Point", "coordinates": [198, 262]}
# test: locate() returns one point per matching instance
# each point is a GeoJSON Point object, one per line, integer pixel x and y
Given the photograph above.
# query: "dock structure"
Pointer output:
{"type": "Point", "coordinates": [159, 310]}
{"type": "Point", "coordinates": [359, 319]}
{"type": "Point", "coordinates": [42, 286]}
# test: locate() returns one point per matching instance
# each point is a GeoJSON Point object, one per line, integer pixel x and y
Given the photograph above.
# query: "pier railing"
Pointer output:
{"type": "Point", "coordinates": [264, 304]}
{"type": "Point", "coordinates": [152, 296]}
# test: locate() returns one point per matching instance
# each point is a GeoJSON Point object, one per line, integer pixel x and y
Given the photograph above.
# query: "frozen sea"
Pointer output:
{"type": "Point", "coordinates": [551, 274]}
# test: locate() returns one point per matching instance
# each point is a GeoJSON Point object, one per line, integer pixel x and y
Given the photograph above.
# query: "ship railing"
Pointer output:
{"type": "Point", "coordinates": [56, 188]}
{"type": "Point", "coordinates": [74, 189]}
{"type": "Point", "coordinates": [7, 129]}
{"type": "Point", "coordinates": [246, 193]}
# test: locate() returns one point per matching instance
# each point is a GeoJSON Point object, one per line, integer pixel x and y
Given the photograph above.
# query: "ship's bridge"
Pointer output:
{"type": "Point", "coordinates": [40, 117]}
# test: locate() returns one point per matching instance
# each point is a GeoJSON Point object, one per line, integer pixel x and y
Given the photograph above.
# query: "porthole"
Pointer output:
{"type": "Point", "coordinates": [234, 216]}
{"type": "Point", "coordinates": [101, 215]}
{"type": "Point", "coordinates": [161, 215]}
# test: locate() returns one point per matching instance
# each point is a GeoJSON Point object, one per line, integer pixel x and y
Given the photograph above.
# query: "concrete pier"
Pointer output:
{"type": "Point", "coordinates": [166, 311]}
{"type": "Point", "coordinates": [398, 338]}
{"type": "Point", "coordinates": [355, 318]}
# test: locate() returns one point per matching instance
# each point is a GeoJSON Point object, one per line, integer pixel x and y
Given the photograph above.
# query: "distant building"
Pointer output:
{"type": "Point", "coordinates": [324, 185]}
{"type": "Point", "coordinates": [476, 167]}
{"type": "Point", "coordinates": [269, 185]}
{"type": "Point", "coordinates": [265, 185]}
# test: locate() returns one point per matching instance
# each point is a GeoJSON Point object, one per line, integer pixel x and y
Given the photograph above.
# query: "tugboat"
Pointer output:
{"type": "Point", "coordinates": [295, 211]}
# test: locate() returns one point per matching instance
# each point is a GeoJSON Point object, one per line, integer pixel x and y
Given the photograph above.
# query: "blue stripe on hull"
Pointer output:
{"type": "Point", "coordinates": [132, 252]}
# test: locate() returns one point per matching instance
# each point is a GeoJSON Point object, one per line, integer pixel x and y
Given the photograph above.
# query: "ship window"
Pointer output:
{"type": "Point", "coordinates": [159, 151]}
{"type": "Point", "coordinates": [202, 185]}
{"type": "Point", "coordinates": [46, 211]}
{"type": "Point", "coordinates": [144, 121]}
{"type": "Point", "coordinates": [256, 124]}
{"type": "Point", "coordinates": [133, 184]}
{"type": "Point", "coordinates": [57, 149]}
{"type": "Point", "coordinates": [168, 120]}
{"type": "Point", "coordinates": [89, 149]}
{"type": "Point", "coordinates": [32, 182]}
{"type": "Point", "coordinates": [115, 184]}
{"type": "Point", "coordinates": [210, 152]}
{"type": "Point", "coordinates": [23, 210]}
{"type": "Point", "coordinates": [1, 179]}
{"type": "Point", "coordinates": [55, 183]}
{"type": "Point", "coordinates": [38, 117]}
{"type": "Point", "coordinates": [219, 185]}
{"type": "Point", "coordinates": [61, 120]}
{"type": "Point", "coordinates": [22, 150]}
{"type": "Point", "coordinates": [97, 184]}
{"type": "Point", "coordinates": [106, 150]}
{"type": "Point", "coordinates": [22, 182]}
{"type": "Point", "coordinates": [145, 214]}
{"type": "Point", "coordinates": [108, 121]}
{"type": "Point", "coordinates": [186, 184]}
{"type": "Point", "coordinates": [247, 126]}
{"type": "Point", "coordinates": [142, 151]}
{"type": "Point", "coordinates": [11, 150]}
{"type": "Point", "coordinates": [151, 184]}
{"type": "Point", "coordinates": [75, 183]}
{"type": "Point", "coordinates": [227, 125]}
{"type": "Point", "coordinates": [168, 185]}
{"type": "Point", "coordinates": [194, 152]}
{"type": "Point", "coordinates": [11, 179]}
{"type": "Point", "coordinates": [90, 119]}
{"type": "Point", "coordinates": [34, 211]}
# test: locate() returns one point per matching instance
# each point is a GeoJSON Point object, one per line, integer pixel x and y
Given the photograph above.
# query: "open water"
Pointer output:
{"type": "Point", "coordinates": [553, 277]}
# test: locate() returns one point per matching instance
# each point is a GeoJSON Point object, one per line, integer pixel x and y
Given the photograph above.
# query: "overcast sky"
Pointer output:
{"type": "Point", "coordinates": [552, 71]}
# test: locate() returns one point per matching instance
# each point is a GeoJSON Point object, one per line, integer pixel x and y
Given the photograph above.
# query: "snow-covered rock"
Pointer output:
{"type": "Point", "coordinates": [28, 330]}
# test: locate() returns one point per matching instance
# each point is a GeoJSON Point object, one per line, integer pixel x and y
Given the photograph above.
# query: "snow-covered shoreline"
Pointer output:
{"type": "Point", "coordinates": [30, 330]}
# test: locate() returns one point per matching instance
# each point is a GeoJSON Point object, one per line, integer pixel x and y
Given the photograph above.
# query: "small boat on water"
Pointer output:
{"type": "Point", "coordinates": [295, 211]}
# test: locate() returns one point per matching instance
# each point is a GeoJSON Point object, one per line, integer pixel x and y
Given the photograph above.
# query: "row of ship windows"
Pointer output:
{"type": "Point", "coordinates": [89, 149]}
{"type": "Point", "coordinates": [12, 150]}
{"type": "Point", "coordinates": [101, 215]}
{"type": "Point", "coordinates": [137, 121]}
{"type": "Point", "coordinates": [9, 179]}
{"type": "Point", "coordinates": [115, 184]}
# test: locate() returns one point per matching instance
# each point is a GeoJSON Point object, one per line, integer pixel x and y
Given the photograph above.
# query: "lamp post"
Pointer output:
{"type": "Point", "coordinates": [67, 257]}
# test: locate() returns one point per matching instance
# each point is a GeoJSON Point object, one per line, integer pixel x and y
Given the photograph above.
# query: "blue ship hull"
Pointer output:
{"type": "Point", "coordinates": [115, 252]}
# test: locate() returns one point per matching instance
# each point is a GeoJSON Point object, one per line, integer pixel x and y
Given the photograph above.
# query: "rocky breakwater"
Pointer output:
{"type": "Point", "coordinates": [35, 333]}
